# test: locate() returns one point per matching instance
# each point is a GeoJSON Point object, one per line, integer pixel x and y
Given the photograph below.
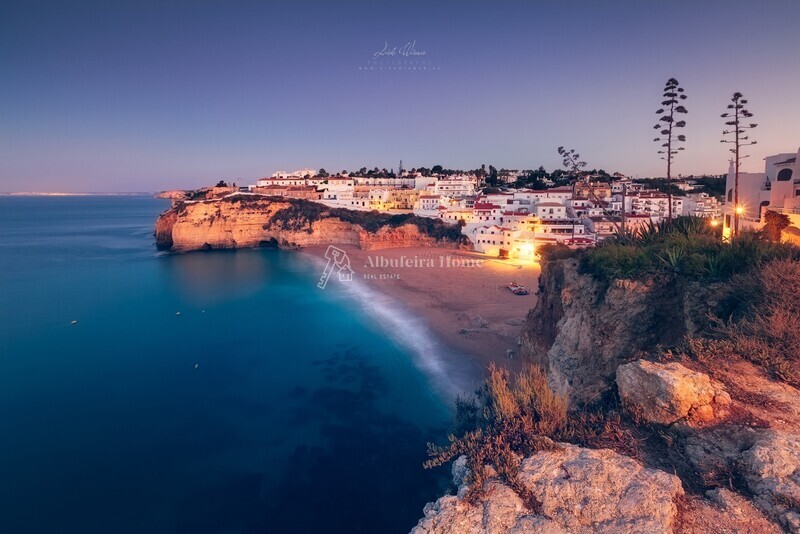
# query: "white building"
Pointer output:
{"type": "Point", "coordinates": [551, 210]}
{"type": "Point", "coordinates": [776, 189]}
{"type": "Point", "coordinates": [428, 205]}
{"type": "Point", "coordinates": [338, 188]}
{"type": "Point", "coordinates": [702, 205]}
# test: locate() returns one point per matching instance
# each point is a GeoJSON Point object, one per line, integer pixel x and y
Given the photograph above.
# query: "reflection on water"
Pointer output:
{"type": "Point", "coordinates": [221, 275]}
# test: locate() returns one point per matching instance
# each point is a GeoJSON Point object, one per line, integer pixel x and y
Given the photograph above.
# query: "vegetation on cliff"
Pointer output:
{"type": "Point", "coordinates": [687, 247]}
{"type": "Point", "coordinates": [301, 214]}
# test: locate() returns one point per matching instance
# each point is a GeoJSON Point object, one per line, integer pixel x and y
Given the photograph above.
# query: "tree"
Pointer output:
{"type": "Point", "coordinates": [774, 224]}
{"type": "Point", "coordinates": [437, 169]}
{"type": "Point", "coordinates": [574, 165]}
{"type": "Point", "coordinates": [571, 161]}
{"type": "Point", "coordinates": [492, 179]}
{"type": "Point", "coordinates": [737, 115]}
{"type": "Point", "coordinates": [673, 96]}
{"type": "Point", "coordinates": [221, 183]}
{"type": "Point", "coordinates": [323, 173]}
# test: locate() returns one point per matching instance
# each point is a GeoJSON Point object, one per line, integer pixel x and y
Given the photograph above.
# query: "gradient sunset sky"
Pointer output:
{"type": "Point", "coordinates": [142, 96]}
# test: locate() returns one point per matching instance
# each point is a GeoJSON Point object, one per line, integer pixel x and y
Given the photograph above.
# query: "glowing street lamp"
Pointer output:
{"type": "Point", "coordinates": [739, 210]}
{"type": "Point", "coordinates": [714, 223]}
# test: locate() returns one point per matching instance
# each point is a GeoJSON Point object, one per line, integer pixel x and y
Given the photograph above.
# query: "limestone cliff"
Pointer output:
{"type": "Point", "coordinates": [245, 221]}
{"type": "Point", "coordinates": [581, 330]}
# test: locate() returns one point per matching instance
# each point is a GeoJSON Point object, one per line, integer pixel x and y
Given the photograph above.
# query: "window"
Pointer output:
{"type": "Point", "coordinates": [730, 195]}
{"type": "Point", "coordinates": [785, 175]}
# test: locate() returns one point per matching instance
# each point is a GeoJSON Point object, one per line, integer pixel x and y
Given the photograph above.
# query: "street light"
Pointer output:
{"type": "Point", "coordinates": [739, 210]}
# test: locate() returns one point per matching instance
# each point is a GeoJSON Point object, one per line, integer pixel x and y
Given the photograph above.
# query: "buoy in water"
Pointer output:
{"type": "Point", "coordinates": [74, 322]}
{"type": "Point", "coordinates": [196, 365]}
{"type": "Point", "coordinates": [177, 313]}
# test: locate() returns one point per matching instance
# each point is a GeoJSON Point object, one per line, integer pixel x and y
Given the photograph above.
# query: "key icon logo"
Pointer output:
{"type": "Point", "coordinates": [337, 261]}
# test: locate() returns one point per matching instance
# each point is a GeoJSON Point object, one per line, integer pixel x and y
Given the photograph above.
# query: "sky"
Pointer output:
{"type": "Point", "coordinates": [145, 96]}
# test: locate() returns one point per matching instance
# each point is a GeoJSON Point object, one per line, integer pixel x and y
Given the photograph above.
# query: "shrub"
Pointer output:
{"type": "Point", "coordinates": [687, 247]}
{"type": "Point", "coordinates": [768, 335]}
{"type": "Point", "coordinates": [555, 251]}
{"type": "Point", "coordinates": [506, 420]}
{"type": "Point", "coordinates": [612, 260]}
{"type": "Point", "coordinates": [774, 224]}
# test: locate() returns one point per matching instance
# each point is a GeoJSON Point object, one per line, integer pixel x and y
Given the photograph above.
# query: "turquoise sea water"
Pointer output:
{"type": "Point", "coordinates": [266, 405]}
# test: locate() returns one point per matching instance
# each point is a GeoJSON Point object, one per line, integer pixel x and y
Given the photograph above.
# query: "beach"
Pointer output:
{"type": "Point", "coordinates": [462, 296]}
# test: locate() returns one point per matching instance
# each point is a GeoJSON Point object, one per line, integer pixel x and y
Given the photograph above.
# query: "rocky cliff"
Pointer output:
{"type": "Point", "coordinates": [704, 437]}
{"type": "Point", "coordinates": [245, 221]}
{"type": "Point", "coordinates": [581, 329]}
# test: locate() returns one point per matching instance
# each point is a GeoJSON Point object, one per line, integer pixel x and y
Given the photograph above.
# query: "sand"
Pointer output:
{"type": "Point", "coordinates": [462, 296]}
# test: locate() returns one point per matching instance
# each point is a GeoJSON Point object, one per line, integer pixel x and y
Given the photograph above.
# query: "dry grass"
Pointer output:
{"type": "Point", "coordinates": [509, 419]}
{"type": "Point", "coordinates": [769, 336]}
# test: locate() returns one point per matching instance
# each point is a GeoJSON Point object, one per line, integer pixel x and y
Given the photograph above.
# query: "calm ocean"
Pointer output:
{"type": "Point", "coordinates": [265, 405]}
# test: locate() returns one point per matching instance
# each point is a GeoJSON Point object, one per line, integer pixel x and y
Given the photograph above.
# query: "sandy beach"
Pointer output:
{"type": "Point", "coordinates": [461, 295]}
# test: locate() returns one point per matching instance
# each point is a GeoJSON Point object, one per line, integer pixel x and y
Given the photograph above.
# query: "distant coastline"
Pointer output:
{"type": "Point", "coordinates": [67, 194]}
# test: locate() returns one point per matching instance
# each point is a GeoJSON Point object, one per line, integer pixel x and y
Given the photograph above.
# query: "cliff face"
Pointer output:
{"type": "Point", "coordinates": [582, 330]}
{"type": "Point", "coordinates": [242, 223]}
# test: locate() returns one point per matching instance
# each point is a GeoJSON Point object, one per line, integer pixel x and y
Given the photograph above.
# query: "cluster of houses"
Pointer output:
{"type": "Point", "coordinates": [513, 222]}
{"type": "Point", "coordinates": [508, 223]}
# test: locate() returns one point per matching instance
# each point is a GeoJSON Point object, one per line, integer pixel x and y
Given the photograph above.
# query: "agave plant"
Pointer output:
{"type": "Point", "coordinates": [673, 258]}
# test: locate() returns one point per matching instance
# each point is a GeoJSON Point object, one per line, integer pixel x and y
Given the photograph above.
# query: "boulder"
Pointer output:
{"type": "Point", "coordinates": [581, 491]}
{"type": "Point", "coordinates": [771, 468]}
{"type": "Point", "coordinates": [667, 393]}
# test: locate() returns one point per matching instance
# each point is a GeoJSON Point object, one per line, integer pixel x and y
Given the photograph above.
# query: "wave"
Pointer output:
{"type": "Point", "coordinates": [446, 369]}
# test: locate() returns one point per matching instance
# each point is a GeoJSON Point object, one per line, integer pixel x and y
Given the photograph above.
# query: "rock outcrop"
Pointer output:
{"type": "Point", "coordinates": [581, 490]}
{"type": "Point", "coordinates": [765, 463]}
{"type": "Point", "coordinates": [667, 393]}
{"type": "Point", "coordinates": [246, 221]}
{"type": "Point", "coordinates": [771, 468]}
{"type": "Point", "coordinates": [581, 330]}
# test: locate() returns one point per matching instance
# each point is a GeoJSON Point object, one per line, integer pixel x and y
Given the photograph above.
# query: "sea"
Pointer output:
{"type": "Point", "coordinates": [207, 392]}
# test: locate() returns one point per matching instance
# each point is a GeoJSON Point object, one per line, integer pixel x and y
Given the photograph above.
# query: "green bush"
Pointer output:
{"type": "Point", "coordinates": [612, 260]}
{"type": "Point", "coordinates": [687, 247]}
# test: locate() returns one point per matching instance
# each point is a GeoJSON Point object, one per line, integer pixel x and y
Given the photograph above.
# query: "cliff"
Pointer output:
{"type": "Point", "coordinates": [582, 329]}
{"type": "Point", "coordinates": [702, 417]}
{"type": "Point", "coordinates": [246, 221]}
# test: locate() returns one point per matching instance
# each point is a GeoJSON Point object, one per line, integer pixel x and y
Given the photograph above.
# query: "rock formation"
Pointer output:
{"type": "Point", "coordinates": [246, 221]}
{"type": "Point", "coordinates": [581, 330]}
{"type": "Point", "coordinates": [581, 490]}
{"type": "Point", "coordinates": [667, 393]}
